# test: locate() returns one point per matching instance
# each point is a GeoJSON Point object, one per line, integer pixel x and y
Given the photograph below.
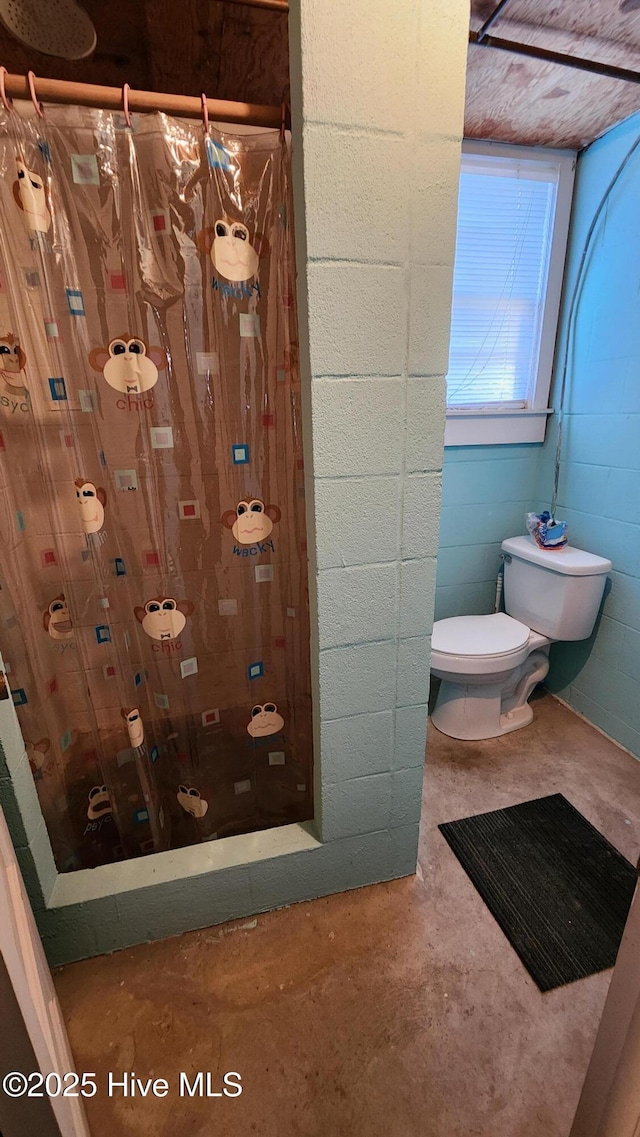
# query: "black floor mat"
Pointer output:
{"type": "Point", "coordinates": [559, 891]}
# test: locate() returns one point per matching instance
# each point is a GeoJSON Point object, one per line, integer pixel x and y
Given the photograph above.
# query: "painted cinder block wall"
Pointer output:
{"type": "Point", "coordinates": [382, 104]}
{"type": "Point", "coordinates": [488, 489]}
{"type": "Point", "coordinates": [486, 493]}
{"type": "Point", "coordinates": [377, 98]}
{"type": "Point", "coordinates": [599, 487]}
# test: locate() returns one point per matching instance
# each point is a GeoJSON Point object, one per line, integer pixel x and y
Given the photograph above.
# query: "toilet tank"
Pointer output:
{"type": "Point", "coordinates": [557, 592]}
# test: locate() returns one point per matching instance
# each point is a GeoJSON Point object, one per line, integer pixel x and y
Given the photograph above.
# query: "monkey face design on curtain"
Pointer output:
{"type": "Point", "coordinates": [56, 619]}
{"type": "Point", "coordinates": [251, 521]}
{"type": "Point", "coordinates": [128, 364]}
{"type": "Point", "coordinates": [12, 362]}
{"type": "Point", "coordinates": [37, 755]}
{"type": "Point", "coordinates": [190, 800]}
{"type": "Point", "coordinates": [135, 726]}
{"type": "Point", "coordinates": [164, 618]}
{"type": "Point", "coordinates": [99, 807]}
{"type": "Point", "coordinates": [91, 500]}
{"type": "Point", "coordinates": [265, 720]}
{"type": "Point", "coordinates": [203, 335]}
{"type": "Point", "coordinates": [29, 195]}
{"type": "Point", "coordinates": [233, 255]}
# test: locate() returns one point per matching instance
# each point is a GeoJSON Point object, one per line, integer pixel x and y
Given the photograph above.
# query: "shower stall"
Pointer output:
{"type": "Point", "coordinates": [153, 568]}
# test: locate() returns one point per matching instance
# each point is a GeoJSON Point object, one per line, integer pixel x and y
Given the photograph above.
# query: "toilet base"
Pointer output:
{"type": "Point", "coordinates": [472, 711]}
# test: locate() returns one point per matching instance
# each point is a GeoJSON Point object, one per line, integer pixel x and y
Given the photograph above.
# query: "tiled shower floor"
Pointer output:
{"type": "Point", "coordinates": [397, 1010]}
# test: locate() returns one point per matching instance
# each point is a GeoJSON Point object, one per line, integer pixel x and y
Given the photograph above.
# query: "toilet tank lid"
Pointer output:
{"type": "Point", "coordinates": [570, 561]}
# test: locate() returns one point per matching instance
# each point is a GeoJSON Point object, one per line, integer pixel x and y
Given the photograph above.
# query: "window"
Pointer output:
{"type": "Point", "coordinates": [513, 221]}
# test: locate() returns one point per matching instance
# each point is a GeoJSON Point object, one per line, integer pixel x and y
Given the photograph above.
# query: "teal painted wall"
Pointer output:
{"type": "Point", "coordinates": [486, 492]}
{"type": "Point", "coordinates": [599, 488]}
{"type": "Point", "coordinates": [488, 489]}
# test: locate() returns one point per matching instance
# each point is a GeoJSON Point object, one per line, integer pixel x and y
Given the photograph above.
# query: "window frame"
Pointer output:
{"type": "Point", "coordinates": [495, 425]}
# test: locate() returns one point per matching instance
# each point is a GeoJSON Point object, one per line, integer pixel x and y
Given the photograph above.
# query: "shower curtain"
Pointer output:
{"type": "Point", "coordinates": [153, 570]}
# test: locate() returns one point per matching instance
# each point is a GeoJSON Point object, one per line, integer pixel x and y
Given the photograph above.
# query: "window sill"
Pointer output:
{"type": "Point", "coordinates": [495, 428]}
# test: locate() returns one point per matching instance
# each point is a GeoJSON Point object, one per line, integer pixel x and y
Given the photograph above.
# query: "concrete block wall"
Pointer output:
{"type": "Point", "coordinates": [486, 493]}
{"type": "Point", "coordinates": [488, 489]}
{"type": "Point", "coordinates": [20, 805]}
{"type": "Point", "coordinates": [380, 99]}
{"type": "Point", "coordinates": [599, 487]}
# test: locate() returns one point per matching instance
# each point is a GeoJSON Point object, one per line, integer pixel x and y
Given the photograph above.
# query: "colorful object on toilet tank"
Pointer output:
{"type": "Point", "coordinates": [546, 531]}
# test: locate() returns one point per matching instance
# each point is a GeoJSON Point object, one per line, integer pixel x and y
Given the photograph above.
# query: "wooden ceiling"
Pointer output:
{"type": "Point", "coordinates": [511, 98]}
{"type": "Point", "coordinates": [234, 51]}
{"type": "Point", "coordinates": [228, 50]}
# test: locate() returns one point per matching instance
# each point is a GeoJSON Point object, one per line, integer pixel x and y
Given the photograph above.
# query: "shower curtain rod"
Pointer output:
{"type": "Point", "coordinates": [273, 5]}
{"type": "Point", "coordinates": [110, 98]}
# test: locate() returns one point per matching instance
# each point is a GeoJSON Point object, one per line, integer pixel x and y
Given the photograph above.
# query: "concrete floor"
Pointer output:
{"type": "Point", "coordinates": [398, 1010]}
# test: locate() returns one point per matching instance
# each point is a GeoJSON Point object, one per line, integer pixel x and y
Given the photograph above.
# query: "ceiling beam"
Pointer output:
{"type": "Point", "coordinates": [609, 70]}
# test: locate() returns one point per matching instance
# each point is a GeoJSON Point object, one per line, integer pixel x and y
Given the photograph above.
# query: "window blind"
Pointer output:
{"type": "Point", "coordinates": [505, 226]}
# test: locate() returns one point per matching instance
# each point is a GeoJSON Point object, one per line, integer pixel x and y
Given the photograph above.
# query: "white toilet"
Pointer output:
{"type": "Point", "coordinates": [489, 665]}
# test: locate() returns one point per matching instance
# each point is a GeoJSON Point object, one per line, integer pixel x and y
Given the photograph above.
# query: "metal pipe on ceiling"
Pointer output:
{"type": "Point", "coordinates": [482, 39]}
{"type": "Point", "coordinates": [110, 98]}
{"type": "Point", "coordinates": [609, 70]}
{"type": "Point", "coordinates": [491, 20]}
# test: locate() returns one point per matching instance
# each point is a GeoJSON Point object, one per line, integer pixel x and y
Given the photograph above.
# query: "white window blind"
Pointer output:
{"type": "Point", "coordinates": [505, 228]}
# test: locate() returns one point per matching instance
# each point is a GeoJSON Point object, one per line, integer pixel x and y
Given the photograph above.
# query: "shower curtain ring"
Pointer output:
{"type": "Point", "coordinates": [31, 79]}
{"type": "Point", "coordinates": [205, 114]}
{"type": "Point", "coordinates": [125, 105]}
{"type": "Point", "coordinates": [4, 98]}
{"type": "Point", "coordinates": [283, 120]}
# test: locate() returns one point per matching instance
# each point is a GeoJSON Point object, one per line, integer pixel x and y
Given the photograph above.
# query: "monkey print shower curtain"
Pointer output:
{"type": "Point", "coordinates": [153, 582]}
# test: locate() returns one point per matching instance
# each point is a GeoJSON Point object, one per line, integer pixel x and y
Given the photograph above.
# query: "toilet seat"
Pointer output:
{"type": "Point", "coordinates": [479, 645]}
{"type": "Point", "coordinates": [479, 635]}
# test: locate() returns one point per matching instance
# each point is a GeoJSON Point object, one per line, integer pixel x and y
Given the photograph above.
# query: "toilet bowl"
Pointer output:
{"type": "Point", "coordinates": [489, 665]}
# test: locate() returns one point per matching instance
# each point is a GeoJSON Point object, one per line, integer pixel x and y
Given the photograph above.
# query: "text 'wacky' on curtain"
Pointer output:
{"type": "Point", "coordinates": [153, 568]}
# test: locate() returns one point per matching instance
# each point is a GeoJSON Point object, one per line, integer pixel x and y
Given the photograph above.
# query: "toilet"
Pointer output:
{"type": "Point", "coordinates": [489, 665]}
